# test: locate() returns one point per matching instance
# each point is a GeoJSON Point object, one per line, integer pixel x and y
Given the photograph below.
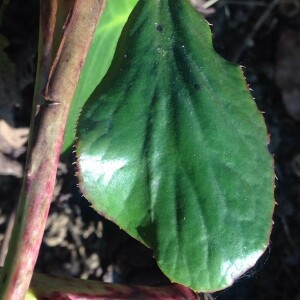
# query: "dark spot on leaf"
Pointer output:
{"type": "Point", "coordinates": [197, 86]}
{"type": "Point", "coordinates": [159, 28]}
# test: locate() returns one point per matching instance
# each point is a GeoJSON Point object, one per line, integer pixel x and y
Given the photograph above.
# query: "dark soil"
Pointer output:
{"type": "Point", "coordinates": [263, 36]}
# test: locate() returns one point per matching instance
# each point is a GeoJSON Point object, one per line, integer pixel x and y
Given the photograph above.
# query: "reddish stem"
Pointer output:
{"type": "Point", "coordinates": [46, 141]}
{"type": "Point", "coordinates": [54, 288]}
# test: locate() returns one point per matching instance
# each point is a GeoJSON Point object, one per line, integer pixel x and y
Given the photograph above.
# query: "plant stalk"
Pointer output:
{"type": "Point", "coordinates": [51, 287]}
{"type": "Point", "coordinates": [47, 133]}
{"type": "Point", "coordinates": [48, 20]}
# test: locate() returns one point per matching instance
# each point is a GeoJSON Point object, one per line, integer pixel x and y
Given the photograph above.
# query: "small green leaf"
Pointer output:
{"type": "Point", "coordinates": [172, 148]}
{"type": "Point", "coordinates": [99, 58]}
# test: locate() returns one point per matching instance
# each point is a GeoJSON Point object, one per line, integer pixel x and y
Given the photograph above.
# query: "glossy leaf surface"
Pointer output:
{"type": "Point", "coordinates": [99, 58]}
{"type": "Point", "coordinates": [172, 148]}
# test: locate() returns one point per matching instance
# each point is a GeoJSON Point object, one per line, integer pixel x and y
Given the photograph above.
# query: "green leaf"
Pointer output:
{"type": "Point", "coordinates": [98, 60]}
{"type": "Point", "coordinates": [172, 148]}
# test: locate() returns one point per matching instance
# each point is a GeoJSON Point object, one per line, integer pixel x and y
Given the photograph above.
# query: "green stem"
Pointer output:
{"type": "Point", "coordinates": [45, 146]}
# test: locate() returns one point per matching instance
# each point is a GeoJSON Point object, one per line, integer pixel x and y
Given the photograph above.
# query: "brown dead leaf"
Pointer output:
{"type": "Point", "coordinates": [10, 167]}
{"type": "Point", "coordinates": [11, 143]}
{"type": "Point", "coordinates": [11, 139]}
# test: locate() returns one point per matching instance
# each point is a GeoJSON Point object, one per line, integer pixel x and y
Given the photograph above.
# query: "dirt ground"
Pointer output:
{"type": "Point", "coordinates": [263, 36]}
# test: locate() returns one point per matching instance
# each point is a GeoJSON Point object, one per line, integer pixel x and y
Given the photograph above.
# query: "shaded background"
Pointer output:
{"type": "Point", "coordinates": [263, 36]}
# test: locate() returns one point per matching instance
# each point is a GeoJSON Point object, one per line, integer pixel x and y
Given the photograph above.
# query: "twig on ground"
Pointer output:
{"type": "Point", "coordinates": [209, 3]}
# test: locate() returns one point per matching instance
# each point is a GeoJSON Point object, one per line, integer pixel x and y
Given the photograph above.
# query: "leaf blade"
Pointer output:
{"type": "Point", "coordinates": [100, 54]}
{"type": "Point", "coordinates": [173, 149]}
